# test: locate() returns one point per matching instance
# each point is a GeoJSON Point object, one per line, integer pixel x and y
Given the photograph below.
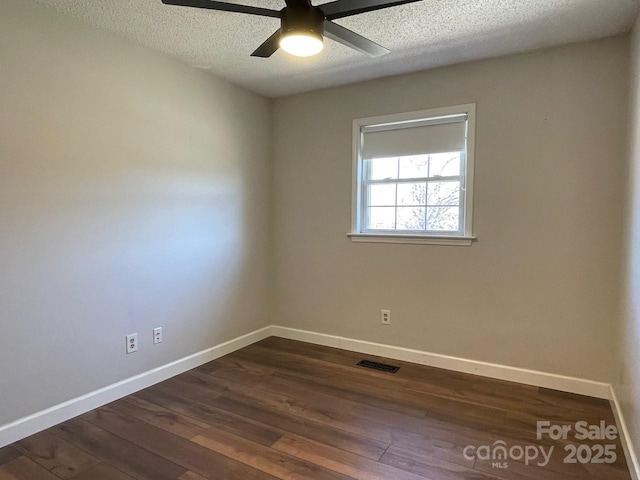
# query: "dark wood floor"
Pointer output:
{"type": "Point", "coordinates": [288, 410]}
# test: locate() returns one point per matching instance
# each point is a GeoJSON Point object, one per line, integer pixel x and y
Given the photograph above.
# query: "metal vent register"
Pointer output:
{"type": "Point", "coordinates": [383, 367]}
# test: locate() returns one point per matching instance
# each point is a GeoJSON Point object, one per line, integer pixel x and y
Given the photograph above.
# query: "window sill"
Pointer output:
{"type": "Point", "coordinates": [411, 239]}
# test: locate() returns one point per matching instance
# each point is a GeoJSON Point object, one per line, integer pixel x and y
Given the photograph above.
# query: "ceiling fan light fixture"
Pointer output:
{"type": "Point", "coordinates": [303, 44]}
{"type": "Point", "coordinates": [301, 31]}
{"type": "Point", "coordinates": [303, 25]}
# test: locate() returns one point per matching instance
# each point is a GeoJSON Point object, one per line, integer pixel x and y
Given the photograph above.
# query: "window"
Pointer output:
{"type": "Point", "coordinates": [413, 177]}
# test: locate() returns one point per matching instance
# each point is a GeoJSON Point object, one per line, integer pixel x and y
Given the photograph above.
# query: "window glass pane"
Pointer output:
{"type": "Point", "coordinates": [411, 218]}
{"type": "Point", "coordinates": [414, 167]}
{"type": "Point", "coordinates": [410, 173]}
{"type": "Point", "coordinates": [412, 193]}
{"type": "Point", "coordinates": [382, 195]}
{"type": "Point", "coordinates": [383, 168]}
{"type": "Point", "coordinates": [443, 218]}
{"type": "Point", "coordinates": [444, 164]}
{"type": "Point", "coordinates": [443, 193]}
{"type": "Point", "coordinates": [382, 218]}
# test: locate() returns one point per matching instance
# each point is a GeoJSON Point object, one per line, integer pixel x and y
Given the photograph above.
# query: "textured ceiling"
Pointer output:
{"type": "Point", "coordinates": [420, 35]}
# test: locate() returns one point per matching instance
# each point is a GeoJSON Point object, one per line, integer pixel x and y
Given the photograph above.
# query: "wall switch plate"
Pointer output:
{"type": "Point", "coordinates": [157, 335]}
{"type": "Point", "coordinates": [132, 343]}
{"type": "Point", "coordinates": [385, 317]}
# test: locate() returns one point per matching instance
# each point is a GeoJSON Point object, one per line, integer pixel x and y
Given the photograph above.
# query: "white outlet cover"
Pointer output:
{"type": "Point", "coordinates": [132, 343]}
{"type": "Point", "coordinates": [157, 335]}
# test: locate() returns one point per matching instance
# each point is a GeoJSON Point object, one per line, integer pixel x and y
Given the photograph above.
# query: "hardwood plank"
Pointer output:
{"type": "Point", "coordinates": [432, 449]}
{"type": "Point", "coordinates": [462, 386]}
{"type": "Point", "coordinates": [214, 417]}
{"type": "Point", "coordinates": [408, 371]}
{"type": "Point", "coordinates": [191, 476]}
{"type": "Point", "coordinates": [432, 469]}
{"type": "Point", "coordinates": [266, 459]}
{"type": "Point", "coordinates": [56, 455]}
{"type": "Point", "coordinates": [348, 367]}
{"type": "Point", "coordinates": [480, 394]}
{"type": "Point", "coordinates": [265, 415]}
{"type": "Point", "coordinates": [464, 415]}
{"type": "Point", "coordinates": [520, 426]}
{"type": "Point", "coordinates": [200, 391]}
{"type": "Point", "coordinates": [576, 398]}
{"type": "Point", "coordinates": [300, 402]}
{"type": "Point", "coordinates": [517, 470]}
{"type": "Point", "coordinates": [252, 369]}
{"type": "Point", "coordinates": [340, 461]}
{"type": "Point", "coordinates": [334, 408]}
{"type": "Point", "coordinates": [287, 410]}
{"type": "Point", "coordinates": [569, 402]}
{"type": "Point", "coordinates": [279, 360]}
{"type": "Point", "coordinates": [471, 422]}
{"type": "Point", "coordinates": [315, 430]}
{"type": "Point", "coordinates": [23, 468]}
{"type": "Point", "coordinates": [8, 453]}
{"type": "Point", "coordinates": [346, 414]}
{"type": "Point", "coordinates": [477, 415]}
{"type": "Point", "coordinates": [342, 413]}
{"type": "Point", "coordinates": [208, 367]}
{"type": "Point", "coordinates": [103, 471]}
{"type": "Point", "coordinates": [191, 456]}
{"type": "Point", "coordinates": [160, 417]}
{"type": "Point", "coordinates": [118, 452]}
{"type": "Point", "coordinates": [339, 385]}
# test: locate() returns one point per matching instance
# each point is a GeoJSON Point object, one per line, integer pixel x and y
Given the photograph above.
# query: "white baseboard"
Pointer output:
{"type": "Point", "coordinates": [492, 370]}
{"type": "Point", "coordinates": [52, 416]}
{"type": "Point", "coordinates": [501, 372]}
{"type": "Point", "coordinates": [625, 437]}
{"type": "Point", "coordinates": [39, 421]}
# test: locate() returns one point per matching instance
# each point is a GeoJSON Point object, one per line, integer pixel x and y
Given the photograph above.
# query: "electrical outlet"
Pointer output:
{"type": "Point", "coordinates": [386, 317]}
{"type": "Point", "coordinates": [157, 335]}
{"type": "Point", "coordinates": [132, 343]}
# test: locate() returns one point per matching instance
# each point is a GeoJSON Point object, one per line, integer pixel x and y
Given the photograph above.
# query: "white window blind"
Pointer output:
{"type": "Point", "coordinates": [405, 139]}
{"type": "Point", "coordinates": [413, 177]}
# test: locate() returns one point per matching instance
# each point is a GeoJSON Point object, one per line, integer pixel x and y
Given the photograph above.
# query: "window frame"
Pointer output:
{"type": "Point", "coordinates": [433, 116]}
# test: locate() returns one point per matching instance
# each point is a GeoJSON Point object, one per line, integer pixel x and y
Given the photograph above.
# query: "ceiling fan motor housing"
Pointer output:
{"type": "Point", "coordinates": [302, 21]}
{"type": "Point", "coordinates": [303, 26]}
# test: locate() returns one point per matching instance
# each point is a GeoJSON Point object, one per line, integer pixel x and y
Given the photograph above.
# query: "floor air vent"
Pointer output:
{"type": "Point", "coordinates": [383, 367]}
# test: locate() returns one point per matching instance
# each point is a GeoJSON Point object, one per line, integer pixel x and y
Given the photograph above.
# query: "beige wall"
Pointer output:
{"type": "Point", "coordinates": [133, 193]}
{"type": "Point", "coordinates": [539, 290]}
{"type": "Point", "coordinates": [628, 385]}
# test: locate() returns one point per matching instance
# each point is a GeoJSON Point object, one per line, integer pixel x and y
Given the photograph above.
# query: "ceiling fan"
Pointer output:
{"type": "Point", "coordinates": [302, 26]}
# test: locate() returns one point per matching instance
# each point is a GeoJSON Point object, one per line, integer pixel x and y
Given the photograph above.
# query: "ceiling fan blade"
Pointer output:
{"type": "Point", "coordinates": [352, 39]}
{"type": "Point", "coordinates": [225, 7]}
{"type": "Point", "coordinates": [298, 3]}
{"type": "Point", "coordinates": [269, 46]}
{"type": "Point", "coordinates": [346, 8]}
